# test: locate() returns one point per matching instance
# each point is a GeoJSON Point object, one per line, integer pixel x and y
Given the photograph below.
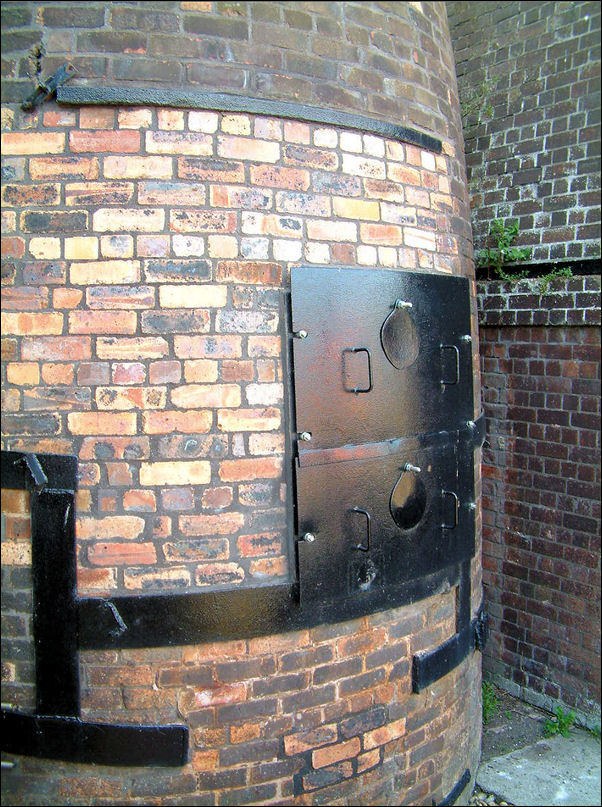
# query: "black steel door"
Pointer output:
{"type": "Point", "coordinates": [382, 390]}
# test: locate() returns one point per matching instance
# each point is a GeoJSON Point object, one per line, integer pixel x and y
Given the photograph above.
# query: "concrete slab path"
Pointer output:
{"type": "Point", "coordinates": [558, 770]}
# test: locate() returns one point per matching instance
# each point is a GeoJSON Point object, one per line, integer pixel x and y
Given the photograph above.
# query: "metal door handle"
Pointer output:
{"type": "Point", "coordinates": [361, 547]}
{"type": "Point", "coordinates": [456, 508]}
{"type": "Point", "coordinates": [367, 352]}
{"type": "Point", "coordinates": [457, 356]}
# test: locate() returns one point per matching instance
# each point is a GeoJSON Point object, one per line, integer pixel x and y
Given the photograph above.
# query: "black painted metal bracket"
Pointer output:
{"type": "Point", "coordinates": [224, 102]}
{"type": "Point", "coordinates": [74, 740]}
{"type": "Point", "coordinates": [456, 791]}
{"type": "Point", "coordinates": [46, 88]}
{"type": "Point", "coordinates": [56, 730]}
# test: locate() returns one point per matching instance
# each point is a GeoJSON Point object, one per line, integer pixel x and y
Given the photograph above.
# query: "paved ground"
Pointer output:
{"type": "Point", "coordinates": [520, 767]}
{"type": "Point", "coordinates": [557, 770]}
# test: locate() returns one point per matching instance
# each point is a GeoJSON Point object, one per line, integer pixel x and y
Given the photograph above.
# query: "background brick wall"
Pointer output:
{"type": "Point", "coordinates": [529, 83]}
{"type": "Point", "coordinates": [541, 489]}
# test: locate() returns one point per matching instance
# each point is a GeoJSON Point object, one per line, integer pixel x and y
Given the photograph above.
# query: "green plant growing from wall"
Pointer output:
{"type": "Point", "coordinates": [503, 252]}
{"type": "Point", "coordinates": [562, 725]}
{"type": "Point", "coordinates": [490, 701]}
{"type": "Point", "coordinates": [475, 101]}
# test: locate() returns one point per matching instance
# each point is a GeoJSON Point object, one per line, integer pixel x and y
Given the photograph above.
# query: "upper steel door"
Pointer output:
{"type": "Point", "coordinates": [379, 355]}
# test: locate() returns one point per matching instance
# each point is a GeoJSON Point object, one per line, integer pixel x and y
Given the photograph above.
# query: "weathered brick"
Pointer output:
{"type": "Point", "coordinates": [245, 469]}
{"type": "Point", "coordinates": [98, 193]}
{"type": "Point", "coordinates": [331, 754]}
{"type": "Point", "coordinates": [381, 234]}
{"type": "Point", "coordinates": [109, 272]}
{"type": "Point", "coordinates": [56, 348]}
{"type": "Point", "coordinates": [94, 322]}
{"type": "Point", "coordinates": [332, 230]}
{"type": "Point", "coordinates": [245, 148]}
{"type": "Point", "coordinates": [384, 734]}
{"type": "Point", "coordinates": [131, 397]}
{"type": "Point", "coordinates": [33, 142]}
{"type": "Point", "coordinates": [204, 221]}
{"type": "Point", "coordinates": [185, 143]}
{"type": "Point", "coordinates": [210, 347]}
{"type": "Point", "coordinates": [63, 168]}
{"type": "Point", "coordinates": [349, 208]}
{"type": "Point", "coordinates": [193, 396]}
{"type": "Point", "coordinates": [124, 220]}
{"type": "Point", "coordinates": [212, 170]}
{"type": "Point", "coordinates": [309, 157]}
{"type": "Point", "coordinates": [168, 422]}
{"type": "Point", "coordinates": [197, 472]}
{"type": "Point", "coordinates": [140, 347]}
{"type": "Point", "coordinates": [103, 529]}
{"type": "Point", "coordinates": [272, 176]}
{"type": "Point", "coordinates": [120, 297]}
{"type": "Point", "coordinates": [248, 420]}
{"type": "Point", "coordinates": [127, 141]}
{"type": "Point", "coordinates": [101, 423]}
{"type": "Point", "coordinates": [24, 195]}
{"type": "Point", "coordinates": [56, 222]}
{"type": "Point", "coordinates": [224, 524]}
{"type": "Point", "coordinates": [117, 554]}
{"type": "Point", "coordinates": [189, 296]}
{"type": "Point", "coordinates": [254, 272]}
{"type": "Point", "coordinates": [171, 193]}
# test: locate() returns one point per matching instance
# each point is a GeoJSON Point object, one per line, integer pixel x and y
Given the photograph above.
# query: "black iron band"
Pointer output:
{"type": "Point", "coordinates": [224, 102]}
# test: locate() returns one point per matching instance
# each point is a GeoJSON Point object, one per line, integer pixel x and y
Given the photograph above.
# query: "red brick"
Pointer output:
{"type": "Point", "coordinates": [117, 554]}
{"type": "Point", "coordinates": [101, 423]}
{"type": "Point", "coordinates": [248, 420]}
{"type": "Point", "coordinates": [335, 753]}
{"type": "Point", "coordinates": [168, 422]}
{"type": "Point", "coordinates": [12, 247]}
{"type": "Point", "coordinates": [202, 221]}
{"type": "Point", "coordinates": [247, 469]}
{"type": "Point", "coordinates": [97, 322]}
{"type": "Point", "coordinates": [56, 348]}
{"type": "Point", "coordinates": [259, 544]}
{"type": "Point", "coordinates": [63, 167]}
{"type": "Point", "coordinates": [217, 498]}
{"type": "Point", "coordinates": [124, 141]}
{"type": "Point", "coordinates": [208, 347]}
{"type": "Point", "coordinates": [273, 176]}
{"type": "Point", "coordinates": [33, 143]}
{"type": "Point", "coordinates": [128, 373]}
{"type": "Point", "coordinates": [253, 272]}
{"type": "Point", "coordinates": [303, 741]}
{"type": "Point", "coordinates": [224, 523]}
{"type": "Point", "coordinates": [193, 699]}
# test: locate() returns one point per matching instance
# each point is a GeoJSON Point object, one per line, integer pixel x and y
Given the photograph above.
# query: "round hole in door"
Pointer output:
{"type": "Point", "coordinates": [399, 339]}
{"type": "Point", "coordinates": [408, 501]}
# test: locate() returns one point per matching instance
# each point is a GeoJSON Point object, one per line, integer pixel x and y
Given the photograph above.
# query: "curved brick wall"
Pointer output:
{"type": "Point", "coordinates": [145, 251]}
{"type": "Point", "coordinates": [390, 60]}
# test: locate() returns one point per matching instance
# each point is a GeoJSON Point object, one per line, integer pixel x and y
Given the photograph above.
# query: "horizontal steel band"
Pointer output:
{"type": "Point", "coordinates": [73, 740]}
{"type": "Point", "coordinates": [471, 433]}
{"type": "Point", "coordinates": [224, 102]}
{"type": "Point", "coordinates": [172, 619]}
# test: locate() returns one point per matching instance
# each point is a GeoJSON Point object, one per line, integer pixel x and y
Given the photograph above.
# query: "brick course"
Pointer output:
{"type": "Point", "coordinates": [531, 102]}
{"type": "Point", "coordinates": [541, 489]}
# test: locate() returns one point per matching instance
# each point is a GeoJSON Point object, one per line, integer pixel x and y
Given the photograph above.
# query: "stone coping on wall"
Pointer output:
{"type": "Point", "coordinates": [559, 301]}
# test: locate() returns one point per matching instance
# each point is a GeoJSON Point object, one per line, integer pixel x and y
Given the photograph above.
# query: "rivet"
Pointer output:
{"type": "Point", "coordinates": [309, 537]}
{"type": "Point", "coordinates": [305, 436]}
{"type": "Point", "coordinates": [300, 334]}
{"type": "Point", "coordinates": [402, 304]}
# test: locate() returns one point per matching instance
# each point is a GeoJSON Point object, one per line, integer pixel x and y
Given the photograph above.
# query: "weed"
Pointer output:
{"type": "Point", "coordinates": [562, 725]}
{"type": "Point", "coordinates": [544, 282]}
{"type": "Point", "coordinates": [503, 252]}
{"type": "Point", "coordinates": [490, 701]}
{"type": "Point", "coordinates": [595, 732]}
